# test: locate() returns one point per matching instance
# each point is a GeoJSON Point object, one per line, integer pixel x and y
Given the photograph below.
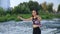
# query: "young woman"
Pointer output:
{"type": "Point", "coordinates": [36, 21]}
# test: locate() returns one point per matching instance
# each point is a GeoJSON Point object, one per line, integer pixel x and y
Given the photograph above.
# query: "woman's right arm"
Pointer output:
{"type": "Point", "coordinates": [25, 19]}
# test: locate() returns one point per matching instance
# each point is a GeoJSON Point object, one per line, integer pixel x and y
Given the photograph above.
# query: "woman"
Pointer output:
{"type": "Point", "coordinates": [36, 22]}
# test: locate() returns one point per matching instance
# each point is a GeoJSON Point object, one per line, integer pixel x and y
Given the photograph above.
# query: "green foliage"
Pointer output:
{"type": "Point", "coordinates": [57, 16]}
{"type": "Point", "coordinates": [58, 8]}
{"type": "Point", "coordinates": [33, 5]}
{"type": "Point", "coordinates": [24, 10]}
{"type": "Point", "coordinates": [21, 8]}
{"type": "Point", "coordinates": [46, 15]}
{"type": "Point", "coordinates": [26, 7]}
{"type": "Point", "coordinates": [50, 7]}
{"type": "Point", "coordinates": [8, 17]}
{"type": "Point", "coordinates": [1, 11]}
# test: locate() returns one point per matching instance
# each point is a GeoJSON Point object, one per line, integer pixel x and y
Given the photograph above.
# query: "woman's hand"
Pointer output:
{"type": "Point", "coordinates": [21, 18]}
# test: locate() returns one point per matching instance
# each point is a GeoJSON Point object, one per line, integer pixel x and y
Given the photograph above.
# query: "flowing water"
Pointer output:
{"type": "Point", "coordinates": [25, 27]}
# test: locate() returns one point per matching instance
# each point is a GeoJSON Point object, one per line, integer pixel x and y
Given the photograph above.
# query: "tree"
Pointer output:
{"type": "Point", "coordinates": [33, 5]}
{"type": "Point", "coordinates": [44, 6]}
{"type": "Point", "coordinates": [41, 8]}
{"type": "Point", "coordinates": [50, 7]}
{"type": "Point", "coordinates": [1, 11]}
{"type": "Point", "coordinates": [21, 8]}
{"type": "Point", "coordinates": [58, 8]}
{"type": "Point", "coordinates": [26, 7]}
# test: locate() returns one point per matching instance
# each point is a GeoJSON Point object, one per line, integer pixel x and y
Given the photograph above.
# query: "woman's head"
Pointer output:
{"type": "Point", "coordinates": [34, 12]}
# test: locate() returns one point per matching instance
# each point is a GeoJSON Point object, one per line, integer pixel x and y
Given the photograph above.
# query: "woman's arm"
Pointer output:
{"type": "Point", "coordinates": [25, 19]}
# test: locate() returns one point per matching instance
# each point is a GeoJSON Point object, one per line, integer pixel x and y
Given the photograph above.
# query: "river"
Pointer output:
{"type": "Point", "coordinates": [25, 27]}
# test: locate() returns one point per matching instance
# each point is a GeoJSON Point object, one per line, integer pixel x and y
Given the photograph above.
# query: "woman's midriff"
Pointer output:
{"type": "Point", "coordinates": [34, 26]}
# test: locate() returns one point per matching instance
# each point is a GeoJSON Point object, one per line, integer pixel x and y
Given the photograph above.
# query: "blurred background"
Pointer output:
{"type": "Point", "coordinates": [49, 10]}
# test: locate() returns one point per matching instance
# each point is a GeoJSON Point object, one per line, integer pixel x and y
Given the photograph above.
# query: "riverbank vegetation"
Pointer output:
{"type": "Point", "coordinates": [24, 10]}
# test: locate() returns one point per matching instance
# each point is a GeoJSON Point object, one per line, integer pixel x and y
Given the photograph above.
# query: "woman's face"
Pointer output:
{"type": "Point", "coordinates": [34, 13]}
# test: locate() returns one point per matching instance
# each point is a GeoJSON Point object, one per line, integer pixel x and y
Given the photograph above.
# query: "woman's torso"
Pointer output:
{"type": "Point", "coordinates": [36, 22]}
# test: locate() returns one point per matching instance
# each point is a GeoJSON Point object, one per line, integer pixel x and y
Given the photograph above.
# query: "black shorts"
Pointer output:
{"type": "Point", "coordinates": [36, 30]}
